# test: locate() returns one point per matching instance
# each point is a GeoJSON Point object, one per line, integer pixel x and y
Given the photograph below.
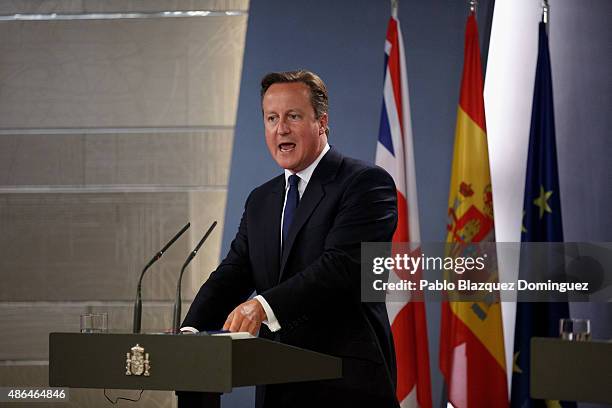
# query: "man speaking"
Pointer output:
{"type": "Point", "coordinates": [298, 246]}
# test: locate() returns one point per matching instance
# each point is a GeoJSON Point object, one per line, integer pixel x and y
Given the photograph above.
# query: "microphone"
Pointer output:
{"type": "Point", "coordinates": [138, 302]}
{"type": "Point", "coordinates": [176, 320]}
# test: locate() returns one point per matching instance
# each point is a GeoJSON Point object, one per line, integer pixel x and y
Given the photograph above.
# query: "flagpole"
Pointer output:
{"type": "Point", "coordinates": [473, 4]}
{"type": "Point", "coordinates": [394, 7]}
{"type": "Point", "coordinates": [545, 11]}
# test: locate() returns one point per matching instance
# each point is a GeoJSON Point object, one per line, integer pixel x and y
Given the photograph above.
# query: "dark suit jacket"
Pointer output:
{"type": "Point", "coordinates": [313, 286]}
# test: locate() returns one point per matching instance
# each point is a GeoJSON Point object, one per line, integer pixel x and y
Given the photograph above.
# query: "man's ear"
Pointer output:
{"type": "Point", "coordinates": [323, 120]}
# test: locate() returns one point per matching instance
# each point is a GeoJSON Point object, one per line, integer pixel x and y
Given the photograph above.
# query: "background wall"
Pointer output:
{"type": "Point", "coordinates": [114, 134]}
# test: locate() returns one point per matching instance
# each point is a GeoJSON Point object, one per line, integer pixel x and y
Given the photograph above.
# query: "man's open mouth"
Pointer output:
{"type": "Point", "coordinates": [286, 147]}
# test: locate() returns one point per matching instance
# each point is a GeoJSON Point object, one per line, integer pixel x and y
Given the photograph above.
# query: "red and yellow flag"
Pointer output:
{"type": "Point", "coordinates": [472, 357]}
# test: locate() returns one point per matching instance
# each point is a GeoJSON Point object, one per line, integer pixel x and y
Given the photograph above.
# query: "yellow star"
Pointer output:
{"type": "Point", "coordinates": [541, 201]}
{"type": "Point", "coordinates": [515, 367]}
{"type": "Point", "coordinates": [523, 229]}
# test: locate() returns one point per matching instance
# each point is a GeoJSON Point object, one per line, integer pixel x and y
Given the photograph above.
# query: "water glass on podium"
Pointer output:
{"type": "Point", "coordinates": [575, 329]}
{"type": "Point", "coordinates": [94, 323]}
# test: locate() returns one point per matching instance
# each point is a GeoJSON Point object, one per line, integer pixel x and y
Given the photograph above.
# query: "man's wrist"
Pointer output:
{"type": "Point", "coordinates": [189, 329]}
{"type": "Point", "coordinates": [270, 319]}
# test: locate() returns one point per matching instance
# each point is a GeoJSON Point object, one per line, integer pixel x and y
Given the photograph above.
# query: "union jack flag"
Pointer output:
{"type": "Point", "coordinates": [394, 153]}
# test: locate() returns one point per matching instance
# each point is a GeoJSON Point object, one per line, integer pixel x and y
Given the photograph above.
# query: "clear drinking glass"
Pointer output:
{"type": "Point", "coordinates": [575, 329]}
{"type": "Point", "coordinates": [94, 323]}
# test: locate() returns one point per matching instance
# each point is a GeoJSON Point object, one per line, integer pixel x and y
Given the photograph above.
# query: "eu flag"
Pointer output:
{"type": "Point", "coordinates": [541, 223]}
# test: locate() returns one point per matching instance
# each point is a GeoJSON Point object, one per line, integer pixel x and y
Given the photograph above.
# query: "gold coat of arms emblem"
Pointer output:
{"type": "Point", "coordinates": [137, 362]}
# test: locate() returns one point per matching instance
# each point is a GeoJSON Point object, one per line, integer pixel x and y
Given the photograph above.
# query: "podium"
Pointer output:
{"type": "Point", "coordinates": [208, 365]}
{"type": "Point", "coordinates": [571, 370]}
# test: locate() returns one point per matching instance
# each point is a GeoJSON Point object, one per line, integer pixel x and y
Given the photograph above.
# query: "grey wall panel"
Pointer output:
{"type": "Point", "coordinates": [38, 375]}
{"type": "Point", "coordinates": [203, 210]}
{"type": "Point", "coordinates": [28, 337]}
{"type": "Point", "coordinates": [155, 5]}
{"type": "Point", "coordinates": [120, 73]}
{"type": "Point", "coordinates": [18, 375]}
{"type": "Point", "coordinates": [41, 159]}
{"type": "Point", "coordinates": [183, 159]}
{"type": "Point", "coordinates": [78, 6]}
{"type": "Point", "coordinates": [93, 246]}
{"type": "Point", "coordinates": [31, 323]}
{"type": "Point", "coordinates": [113, 134]}
{"type": "Point", "coordinates": [40, 6]}
{"type": "Point", "coordinates": [156, 317]}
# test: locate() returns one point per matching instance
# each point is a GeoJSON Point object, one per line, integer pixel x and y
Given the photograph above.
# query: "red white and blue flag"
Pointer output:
{"type": "Point", "coordinates": [394, 153]}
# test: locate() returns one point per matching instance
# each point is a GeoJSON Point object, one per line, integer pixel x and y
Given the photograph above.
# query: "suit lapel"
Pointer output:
{"type": "Point", "coordinates": [314, 193]}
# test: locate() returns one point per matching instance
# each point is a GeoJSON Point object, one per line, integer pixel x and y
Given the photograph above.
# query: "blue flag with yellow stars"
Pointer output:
{"type": "Point", "coordinates": [541, 223]}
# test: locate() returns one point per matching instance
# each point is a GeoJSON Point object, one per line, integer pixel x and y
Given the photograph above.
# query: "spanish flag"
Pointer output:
{"type": "Point", "coordinates": [472, 357]}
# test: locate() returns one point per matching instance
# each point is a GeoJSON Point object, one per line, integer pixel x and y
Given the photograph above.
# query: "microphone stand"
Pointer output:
{"type": "Point", "coordinates": [176, 316]}
{"type": "Point", "coordinates": [138, 302]}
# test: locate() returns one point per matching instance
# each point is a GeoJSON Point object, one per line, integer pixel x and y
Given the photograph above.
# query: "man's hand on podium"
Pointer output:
{"type": "Point", "coordinates": [246, 317]}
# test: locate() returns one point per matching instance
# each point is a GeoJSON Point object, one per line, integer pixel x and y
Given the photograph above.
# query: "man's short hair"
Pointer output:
{"type": "Point", "coordinates": [318, 90]}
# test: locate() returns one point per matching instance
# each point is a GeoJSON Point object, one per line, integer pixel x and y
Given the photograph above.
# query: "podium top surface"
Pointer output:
{"type": "Point", "coordinates": [180, 362]}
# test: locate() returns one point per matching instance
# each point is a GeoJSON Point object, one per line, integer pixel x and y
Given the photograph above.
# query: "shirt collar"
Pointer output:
{"type": "Point", "coordinates": [305, 174]}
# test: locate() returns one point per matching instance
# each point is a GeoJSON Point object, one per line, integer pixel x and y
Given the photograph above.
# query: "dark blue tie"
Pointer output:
{"type": "Point", "coordinates": [293, 199]}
